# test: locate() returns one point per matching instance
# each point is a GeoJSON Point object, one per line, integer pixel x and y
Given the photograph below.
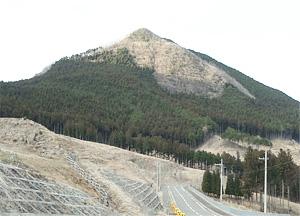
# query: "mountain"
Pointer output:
{"type": "Point", "coordinates": [148, 93]}
{"type": "Point", "coordinates": [175, 68]}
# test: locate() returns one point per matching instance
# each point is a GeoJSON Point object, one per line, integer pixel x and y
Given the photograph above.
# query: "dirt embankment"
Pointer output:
{"type": "Point", "coordinates": [26, 143]}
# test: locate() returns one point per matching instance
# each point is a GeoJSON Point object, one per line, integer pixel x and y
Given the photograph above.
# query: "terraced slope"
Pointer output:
{"type": "Point", "coordinates": [23, 192]}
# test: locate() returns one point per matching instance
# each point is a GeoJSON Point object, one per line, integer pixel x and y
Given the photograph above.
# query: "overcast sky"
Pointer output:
{"type": "Point", "coordinates": [261, 38]}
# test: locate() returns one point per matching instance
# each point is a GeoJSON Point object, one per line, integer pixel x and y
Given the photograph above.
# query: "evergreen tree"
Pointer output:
{"type": "Point", "coordinates": [237, 187]}
{"type": "Point", "coordinates": [207, 182]}
{"type": "Point", "coordinates": [216, 183]}
{"type": "Point", "coordinates": [252, 169]}
{"type": "Point", "coordinates": [230, 185]}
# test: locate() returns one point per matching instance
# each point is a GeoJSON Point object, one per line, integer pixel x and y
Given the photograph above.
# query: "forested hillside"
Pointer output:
{"type": "Point", "coordinates": [106, 103]}
{"type": "Point", "coordinates": [116, 102]}
{"type": "Point", "coordinates": [272, 113]}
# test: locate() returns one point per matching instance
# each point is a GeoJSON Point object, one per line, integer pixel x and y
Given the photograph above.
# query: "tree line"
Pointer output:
{"type": "Point", "coordinates": [234, 135]}
{"type": "Point", "coordinates": [246, 178]}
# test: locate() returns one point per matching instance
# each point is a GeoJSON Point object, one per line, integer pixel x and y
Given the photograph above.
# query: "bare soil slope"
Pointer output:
{"type": "Point", "coordinates": [26, 143]}
{"type": "Point", "coordinates": [218, 145]}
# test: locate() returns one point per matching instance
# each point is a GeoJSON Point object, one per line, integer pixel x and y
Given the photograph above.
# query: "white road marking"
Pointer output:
{"type": "Point", "coordinates": [203, 197]}
{"type": "Point", "coordinates": [201, 205]}
{"type": "Point", "coordinates": [171, 195]}
{"type": "Point", "coordinates": [187, 204]}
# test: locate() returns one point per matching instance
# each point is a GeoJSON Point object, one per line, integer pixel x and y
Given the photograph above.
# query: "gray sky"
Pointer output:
{"type": "Point", "coordinates": [261, 38]}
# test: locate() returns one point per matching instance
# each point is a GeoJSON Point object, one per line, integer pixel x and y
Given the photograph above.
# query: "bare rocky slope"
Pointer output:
{"type": "Point", "coordinates": [26, 144]}
{"type": "Point", "coordinates": [217, 144]}
{"type": "Point", "coordinates": [176, 68]}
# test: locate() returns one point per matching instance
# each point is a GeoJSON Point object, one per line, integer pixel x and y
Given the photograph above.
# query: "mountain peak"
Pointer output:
{"type": "Point", "coordinates": [176, 68]}
{"type": "Point", "coordinates": [143, 34]}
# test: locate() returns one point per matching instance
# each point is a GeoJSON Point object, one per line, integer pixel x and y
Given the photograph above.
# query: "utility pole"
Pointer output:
{"type": "Point", "coordinates": [266, 167]}
{"type": "Point", "coordinates": [265, 188]}
{"type": "Point", "coordinates": [221, 178]}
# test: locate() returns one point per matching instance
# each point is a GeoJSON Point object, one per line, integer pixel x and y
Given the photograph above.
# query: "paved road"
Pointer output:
{"type": "Point", "coordinates": [194, 203]}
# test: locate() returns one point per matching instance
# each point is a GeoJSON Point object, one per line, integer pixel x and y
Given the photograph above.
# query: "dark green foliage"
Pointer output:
{"type": "Point", "coordinates": [281, 169]}
{"type": "Point", "coordinates": [230, 185]}
{"type": "Point", "coordinates": [233, 186]}
{"type": "Point", "coordinates": [253, 172]}
{"type": "Point", "coordinates": [232, 164]}
{"type": "Point", "coordinates": [109, 103]}
{"type": "Point", "coordinates": [237, 187]}
{"type": "Point", "coordinates": [234, 135]}
{"type": "Point", "coordinates": [119, 56]}
{"type": "Point", "coordinates": [272, 113]}
{"type": "Point", "coordinates": [246, 178]}
{"type": "Point", "coordinates": [295, 187]}
{"type": "Point", "coordinates": [211, 183]}
{"type": "Point", "coordinates": [286, 167]}
{"type": "Point", "coordinates": [207, 158]}
{"type": "Point", "coordinates": [216, 182]}
{"type": "Point", "coordinates": [207, 182]}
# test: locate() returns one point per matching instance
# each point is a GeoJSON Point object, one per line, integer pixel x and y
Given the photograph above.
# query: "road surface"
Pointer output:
{"type": "Point", "coordinates": [194, 203]}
